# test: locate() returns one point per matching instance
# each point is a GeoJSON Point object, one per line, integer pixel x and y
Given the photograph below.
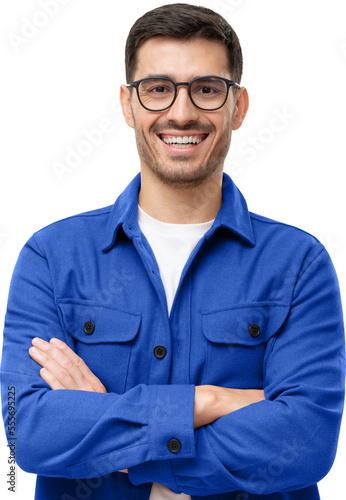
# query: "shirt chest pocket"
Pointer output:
{"type": "Point", "coordinates": [103, 337]}
{"type": "Point", "coordinates": [237, 339]}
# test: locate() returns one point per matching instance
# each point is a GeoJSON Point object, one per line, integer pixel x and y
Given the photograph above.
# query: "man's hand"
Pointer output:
{"type": "Point", "coordinates": [213, 402]}
{"type": "Point", "coordinates": [62, 368]}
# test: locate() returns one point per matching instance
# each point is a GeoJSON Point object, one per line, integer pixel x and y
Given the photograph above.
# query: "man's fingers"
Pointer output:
{"type": "Point", "coordinates": [58, 363]}
{"type": "Point", "coordinates": [79, 362]}
{"type": "Point", "coordinates": [50, 379]}
{"type": "Point", "coordinates": [67, 368]}
{"type": "Point", "coordinates": [61, 374]}
{"type": "Point", "coordinates": [88, 377]}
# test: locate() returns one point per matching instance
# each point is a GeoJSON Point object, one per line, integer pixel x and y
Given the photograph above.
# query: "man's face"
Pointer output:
{"type": "Point", "coordinates": [182, 61]}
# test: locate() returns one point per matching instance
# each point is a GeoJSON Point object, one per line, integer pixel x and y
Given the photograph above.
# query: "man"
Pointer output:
{"type": "Point", "coordinates": [188, 348]}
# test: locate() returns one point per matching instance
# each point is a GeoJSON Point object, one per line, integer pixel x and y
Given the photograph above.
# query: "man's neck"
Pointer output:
{"type": "Point", "coordinates": [183, 205]}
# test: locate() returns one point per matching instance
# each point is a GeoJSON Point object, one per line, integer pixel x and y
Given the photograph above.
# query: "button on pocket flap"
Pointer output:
{"type": "Point", "coordinates": [250, 324]}
{"type": "Point", "coordinates": [91, 323]}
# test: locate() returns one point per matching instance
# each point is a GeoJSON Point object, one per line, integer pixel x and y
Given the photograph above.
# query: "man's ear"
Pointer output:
{"type": "Point", "coordinates": [241, 108]}
{"type": "Point", "coordinates": [125, 100]}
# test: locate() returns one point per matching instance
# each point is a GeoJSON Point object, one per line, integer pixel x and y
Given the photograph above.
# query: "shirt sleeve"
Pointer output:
{"type": "Point", "coordinates": [79, 434]}
{"type": "Point", "coordinates": [288, 441]}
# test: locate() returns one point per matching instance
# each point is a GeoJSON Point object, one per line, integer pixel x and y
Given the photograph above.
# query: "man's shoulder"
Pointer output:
{"type": "Point", "coordinates": [264, 227]}
{"type": "Point", "coordinates": [75, 226]}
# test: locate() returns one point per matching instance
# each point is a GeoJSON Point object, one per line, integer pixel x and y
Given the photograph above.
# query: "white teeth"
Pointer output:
{"type": "Point", "coordinates": [182, 140]}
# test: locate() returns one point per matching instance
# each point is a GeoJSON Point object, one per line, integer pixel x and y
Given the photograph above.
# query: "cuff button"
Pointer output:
{"type": "Point", "coordinates": [174, 445]}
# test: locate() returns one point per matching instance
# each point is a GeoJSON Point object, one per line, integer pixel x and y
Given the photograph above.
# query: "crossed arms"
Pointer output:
{"type": "Point", "coordinates": [62, 368]}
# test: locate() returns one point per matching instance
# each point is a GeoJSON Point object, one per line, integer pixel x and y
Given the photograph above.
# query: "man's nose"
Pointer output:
{"type": "Point", "coordinates": [183, 109]}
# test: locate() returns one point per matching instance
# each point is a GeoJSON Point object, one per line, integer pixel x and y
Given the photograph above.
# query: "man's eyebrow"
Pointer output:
{"type": "Point", "coordinates": [161, 75]}
{"type": "Point", "coordinates": [172, 77]}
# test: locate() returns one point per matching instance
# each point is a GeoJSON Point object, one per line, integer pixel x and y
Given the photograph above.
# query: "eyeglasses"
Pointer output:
{"type": "Point", "coordinates": [208, 93]}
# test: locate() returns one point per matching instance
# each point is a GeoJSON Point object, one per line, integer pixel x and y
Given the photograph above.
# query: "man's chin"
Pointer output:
{"type": "Point", "coordinates": [183, 179]}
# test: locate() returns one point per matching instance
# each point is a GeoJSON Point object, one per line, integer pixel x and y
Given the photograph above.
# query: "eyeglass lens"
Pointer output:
{"type": "Point", "coordinates": [207, 93]}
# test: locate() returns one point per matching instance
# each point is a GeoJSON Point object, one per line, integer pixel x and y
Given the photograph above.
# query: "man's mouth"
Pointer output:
{"type": "Point", "coordinates": [182, 141]}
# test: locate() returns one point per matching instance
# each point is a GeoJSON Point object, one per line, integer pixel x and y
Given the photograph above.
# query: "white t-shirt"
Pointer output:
{"type": "Point", "coordinates": [172, 245]}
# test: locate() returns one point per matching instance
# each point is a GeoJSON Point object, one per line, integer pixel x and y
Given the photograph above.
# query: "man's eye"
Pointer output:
{"type": "Point", "coordinates": [207, 90]}
{"type": "Point", "coordinates": [158, 90]}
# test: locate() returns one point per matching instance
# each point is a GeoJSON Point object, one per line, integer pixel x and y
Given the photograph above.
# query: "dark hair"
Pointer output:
{"type": "Point", "coordinates": [183, 21]}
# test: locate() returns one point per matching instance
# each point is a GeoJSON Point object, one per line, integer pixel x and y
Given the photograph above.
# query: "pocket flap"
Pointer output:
{"type": "Point", "coordinates": [232, 326]}
{"type": "Point", "coordinates": [92, 323]}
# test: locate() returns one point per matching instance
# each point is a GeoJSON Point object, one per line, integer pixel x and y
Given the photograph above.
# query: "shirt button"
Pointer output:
{"type": "Point", "coordinates": [160, 351]}
{"type": "Point", "coordinates": [174, 445]}
{"type": "Point", "coordinates": [254, 330]}
{"type": "Point", "coordinates": [89, 327]}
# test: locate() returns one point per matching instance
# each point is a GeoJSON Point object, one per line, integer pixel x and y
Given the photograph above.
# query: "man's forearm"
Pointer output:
{"type": "Point", "coordinates": [213, 402]}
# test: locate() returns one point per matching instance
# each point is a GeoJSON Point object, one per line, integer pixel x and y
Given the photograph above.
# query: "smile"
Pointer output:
{"type": "Point", "coordinates": [183, 142]}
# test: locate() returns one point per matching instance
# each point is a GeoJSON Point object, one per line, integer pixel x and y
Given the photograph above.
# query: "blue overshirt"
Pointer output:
{"type": "Point", "coordinates": [257, 306]}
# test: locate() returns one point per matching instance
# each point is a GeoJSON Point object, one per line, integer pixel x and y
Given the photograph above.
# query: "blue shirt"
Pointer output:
{"type": "Point", "coordinates": [257, 306]}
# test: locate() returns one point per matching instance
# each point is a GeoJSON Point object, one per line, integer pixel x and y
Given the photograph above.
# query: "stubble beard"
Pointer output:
{"type": "Point", "coordinates": [182, 178]}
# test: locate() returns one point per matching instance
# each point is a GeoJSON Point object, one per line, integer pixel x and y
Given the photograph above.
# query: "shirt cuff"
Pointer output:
{"type": "Point", "coordinates": [171, 433]}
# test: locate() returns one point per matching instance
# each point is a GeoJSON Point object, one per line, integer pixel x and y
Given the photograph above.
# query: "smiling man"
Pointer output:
{"type": "Point", "coordinates": [189, 348]}
{"type": "Point", "coordinates": [184, 138]}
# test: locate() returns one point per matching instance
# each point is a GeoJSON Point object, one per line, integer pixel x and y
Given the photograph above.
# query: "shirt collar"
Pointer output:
{"type": "Point", "coordinates": [233, 214]}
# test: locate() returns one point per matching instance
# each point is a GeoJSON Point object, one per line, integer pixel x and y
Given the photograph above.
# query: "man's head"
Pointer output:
{"type": "Point", "coordinates": [181, 42]}
{"type": "Point", "coordinates": [184, 22]}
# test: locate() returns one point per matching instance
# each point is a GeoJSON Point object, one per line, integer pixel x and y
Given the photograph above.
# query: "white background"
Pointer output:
{"type": "Point", "coordinates": [65, 80]}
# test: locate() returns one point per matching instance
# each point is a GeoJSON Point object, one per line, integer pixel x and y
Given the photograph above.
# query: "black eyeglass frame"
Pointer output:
{"type": "Point", "coordinates": [230, 83]}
